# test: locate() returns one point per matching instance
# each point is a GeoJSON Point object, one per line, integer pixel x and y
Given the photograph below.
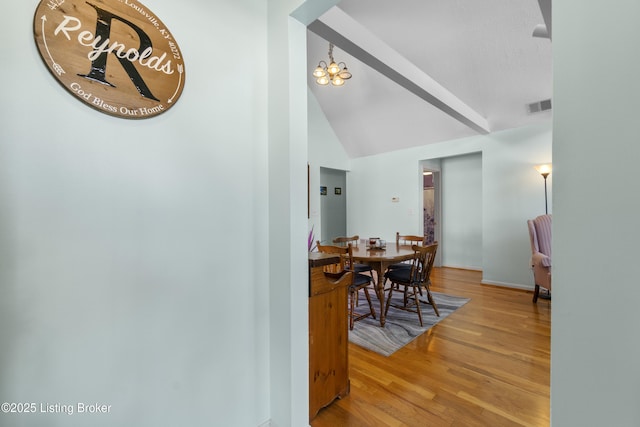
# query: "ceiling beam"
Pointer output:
{"type": "Point", "coordinates": [338, 28]}
{"type": "Point", "coordinates": [545, 8]}
{"type": "Point", "coordinates": [311, 9]}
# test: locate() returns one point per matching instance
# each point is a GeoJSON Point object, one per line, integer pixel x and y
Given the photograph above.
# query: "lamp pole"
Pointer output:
{"type": "Point", "coordinates": [545, 175]}
{"type": "Point", "coordinates": [544, 170]}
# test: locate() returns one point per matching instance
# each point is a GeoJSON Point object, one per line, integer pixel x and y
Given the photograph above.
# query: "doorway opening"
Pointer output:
{"type": "Point", "coordinates": [333, 204]}
{"type": "Point", "coordinates": [431, 202]}
{"type": "Point", "coordinates": [428, 191]}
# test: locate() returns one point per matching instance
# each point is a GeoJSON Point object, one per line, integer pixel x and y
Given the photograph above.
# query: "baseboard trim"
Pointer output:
{"type": "Point", "coordinates": [455, 267]}
{"type": "Point", "coordinates": [528, 288]}
{"type": "Point", "coordinates": [268, 424]}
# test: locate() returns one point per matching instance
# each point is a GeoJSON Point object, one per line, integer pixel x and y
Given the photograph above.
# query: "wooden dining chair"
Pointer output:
{"type": "Point", "coordinates": [359, 281]}
{"type": "Point", "coordinates": [357, 267]}
{"type": "Point", "coordinates": [409, 239]}
{"type": "Point", "coordinates": [412, 280]}
{"type": "Point", "coordinates": [406, 240]}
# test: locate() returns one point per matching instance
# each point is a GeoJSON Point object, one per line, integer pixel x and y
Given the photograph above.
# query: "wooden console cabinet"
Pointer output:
{"type": "Point", "coordinates": [328, 334]}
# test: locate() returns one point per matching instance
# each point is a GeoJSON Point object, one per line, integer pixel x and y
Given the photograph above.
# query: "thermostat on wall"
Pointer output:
{"type": "Point", "coordinates": [395, 199]}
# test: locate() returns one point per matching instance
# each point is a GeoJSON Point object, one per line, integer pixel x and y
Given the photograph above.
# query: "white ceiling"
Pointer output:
{"type": "Point", "coordinates": [481, 52]}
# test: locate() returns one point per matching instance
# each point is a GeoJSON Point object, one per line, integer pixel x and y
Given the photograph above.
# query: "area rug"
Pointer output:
{"type": "Point", "coordinates": [401, 327]}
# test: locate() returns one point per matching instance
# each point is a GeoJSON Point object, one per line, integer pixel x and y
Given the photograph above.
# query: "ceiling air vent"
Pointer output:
{"type": "Point", "coordinates": [539, 106]}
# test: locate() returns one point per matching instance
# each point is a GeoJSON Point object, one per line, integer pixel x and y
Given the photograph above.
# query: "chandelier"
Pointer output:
{"type": "Point", "coordinates": [336, 74]}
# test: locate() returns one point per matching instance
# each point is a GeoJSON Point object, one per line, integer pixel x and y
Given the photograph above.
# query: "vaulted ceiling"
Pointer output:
{"type": "Point", "coordinates": [427, 71]}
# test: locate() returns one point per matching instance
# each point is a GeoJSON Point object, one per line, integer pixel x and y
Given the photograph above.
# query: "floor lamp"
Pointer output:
{"type": "Point", "coordinates": [544, 170]}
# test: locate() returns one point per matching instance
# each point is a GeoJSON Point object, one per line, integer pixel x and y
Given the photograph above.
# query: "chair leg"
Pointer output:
{"type": "Point", "coordinates": [536, 292]}
{"type": "Point", "coordinates": [371, 309]}
{"type": "Point", "coordinates": [415, 296]}
{"type": "Point", "coordinates": [432, 302]}
{"type": "Point", "coordinates": [384, 284]}
{"type": "Point", "coordinates": [353, 298]}
{"type": "Point", "coordinates": [373, 278]}
{"type": "Point", "coordinates": [386, 308]}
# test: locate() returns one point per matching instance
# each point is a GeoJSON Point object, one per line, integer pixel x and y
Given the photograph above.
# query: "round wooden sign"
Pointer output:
{"type": "Point", "coordinates": [114, 55]}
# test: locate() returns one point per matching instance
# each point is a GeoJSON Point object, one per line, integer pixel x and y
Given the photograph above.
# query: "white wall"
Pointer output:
{"type": "Point", "coordinates": [334, 206]}
{"type": "Point", "coordinates": [325, 150]}
{"type": "Point", "coordinates": [288, 224]}
{"type": "Point", "coordinates": [287, 303]}
{"type": "Point", "coordinates": [116, 236]}
{"type": "Point", "coordinates": [462, 211]}
{"type": "Point", "coordinates": [595, 376]}
{"type": "Point", "coordinates": [512, 192]}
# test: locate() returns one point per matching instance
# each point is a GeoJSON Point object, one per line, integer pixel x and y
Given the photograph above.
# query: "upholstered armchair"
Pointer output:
{"type": "Point", "coordinates": [540, 235]}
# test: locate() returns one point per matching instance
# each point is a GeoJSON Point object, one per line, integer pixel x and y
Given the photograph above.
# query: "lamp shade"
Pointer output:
{"type": "Point", "coordinates": [337, 81]}
{"type": "Point", "coordinates": [333, 68]}
{"type": "Point", "coordinates": [323, 81]}
{"type": "Point", "coordinates": [544, 170]}
{"type": "Point", "coordinates": [344, 74]}
{"type": "Point", "coordinates": [319, 72]}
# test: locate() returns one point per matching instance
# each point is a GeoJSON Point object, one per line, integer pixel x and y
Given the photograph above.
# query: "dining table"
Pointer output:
{"type": "Point", "coordinates": [379, 258]}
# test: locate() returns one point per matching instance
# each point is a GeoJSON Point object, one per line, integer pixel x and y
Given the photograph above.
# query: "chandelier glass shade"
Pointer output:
{"type": "Point", "coordinates": [334, 73]}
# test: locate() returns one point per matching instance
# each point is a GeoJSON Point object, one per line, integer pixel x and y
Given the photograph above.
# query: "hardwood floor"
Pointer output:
{"type": "Point", "coordinates": [487, 364]}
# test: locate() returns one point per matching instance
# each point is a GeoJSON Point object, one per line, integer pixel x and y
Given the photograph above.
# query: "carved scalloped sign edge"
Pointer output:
{"type": "Point", "coordinates": [114, 55]}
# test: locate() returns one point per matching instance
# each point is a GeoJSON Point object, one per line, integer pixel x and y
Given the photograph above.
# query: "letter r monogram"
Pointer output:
{"type": "Point", "coordinates": [99, 64]}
